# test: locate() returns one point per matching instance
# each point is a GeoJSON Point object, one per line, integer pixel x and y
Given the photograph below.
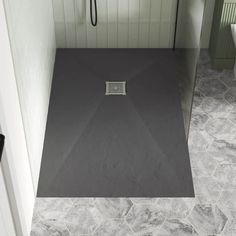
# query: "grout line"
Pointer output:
{"type": "Point", "coordinates": [107, 22]}
{"type": "Point", "coordinates": [86, 25]}
{"type": "Point", "coordinates": [117, 20]}
{"type": "Point", "coordinates": [76, 39]}
{"type": "Point", "coordinates": [139, 23]}
{"type": "Point", "coordinates": [63, 8]}
{"type": "Point", "coordinates": [149, 23]}
{"type": "Point", "coordinates": [128, 23]}
{"type": "Point", "coordinates": [160, 25]}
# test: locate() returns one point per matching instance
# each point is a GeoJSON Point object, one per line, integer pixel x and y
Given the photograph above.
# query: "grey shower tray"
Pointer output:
{"type": "Point", "coordinates": [124, 145]}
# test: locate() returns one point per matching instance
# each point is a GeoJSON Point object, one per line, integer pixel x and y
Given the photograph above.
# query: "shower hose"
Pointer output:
{"type": "Point", "coordinates": [93, 21]}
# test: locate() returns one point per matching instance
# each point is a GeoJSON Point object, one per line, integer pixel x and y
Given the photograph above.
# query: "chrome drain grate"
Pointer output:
{"type": "Point", "coordinates": [115, 88]}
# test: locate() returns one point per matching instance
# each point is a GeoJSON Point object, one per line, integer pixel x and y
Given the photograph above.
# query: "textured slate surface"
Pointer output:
{"type": "Point", "coordinates": [115, 146]}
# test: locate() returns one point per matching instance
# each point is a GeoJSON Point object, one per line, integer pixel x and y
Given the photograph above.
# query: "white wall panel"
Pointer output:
{"type": "Point", "coordinates": [15, 163]}
{"type": "Point", "coordinates": [165, 35]}
{"type": "Point", "coordinates": [112, 35]}
{"type": "Point", "coordinates": [156, 10]}
{"type": "Point", "coordinates": [123, 11]}
{"type": "Point", "coordinates": [69, 11]}
{"type": "Point", "coordinates": [59, 19]}
{"type": "Point", "coordinates": [102, 35]}
{"type": "Point", "coordinates": [81, 32]}
{"type": "Point", "coordinates": [80, 10]}
{"type": "Point", "coordinates": [144, 34]}
{"type": "Point", "coordinates": [121, 23]}
{"type": "Point", "coordinates": [102, 7]}
{"type": "Point", "coordinates": [112, 11]}
{"type": "Point", "coordinates": [166, 10]}
{"type": "Point", "coordinates": [144, 11]}
{"type": "Point", "coordinates": [154, 39]}
{"type": "Point", "coordinates": [134, 6]}
{"type": "Point", "coordinates": [133, 35]}
{"type": "Point", "coordinates": [91, 36]}
{"type": "Point", "coordinates": [123, 30]}
{"type": "Point", "coordinates": [32, 37]}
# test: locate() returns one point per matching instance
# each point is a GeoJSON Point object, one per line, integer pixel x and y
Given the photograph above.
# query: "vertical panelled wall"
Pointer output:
{"type": "Point", "coordinates": [207, 23]}
{"type": "Point", "coordinates": [121, 24]}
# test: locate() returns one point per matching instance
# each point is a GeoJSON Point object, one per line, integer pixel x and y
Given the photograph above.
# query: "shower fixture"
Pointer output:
{"type": "Point", "coordinates": [93, 21]}
{"type": "Point", "coordinates": [176, 24]}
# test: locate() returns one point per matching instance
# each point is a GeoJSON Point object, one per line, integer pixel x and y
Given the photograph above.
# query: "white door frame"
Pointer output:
{"type": "Point", "coordinates": [15, 165]}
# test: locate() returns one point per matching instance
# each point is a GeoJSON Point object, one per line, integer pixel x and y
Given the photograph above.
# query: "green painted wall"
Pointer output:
{"type": "Point", "coordinates": [222, 49]}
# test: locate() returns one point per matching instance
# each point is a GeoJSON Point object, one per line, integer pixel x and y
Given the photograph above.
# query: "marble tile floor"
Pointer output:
{"type": "Point", "coordinates": [212, 146]}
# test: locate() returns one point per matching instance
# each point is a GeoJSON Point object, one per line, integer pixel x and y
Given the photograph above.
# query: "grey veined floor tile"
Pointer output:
{"type": "Point", "coordinates": [115, 227]}
{"type": "Point", "coordinates": [113, 207]}
{"type": "Point", "coordinates": [207, 219]}
{"type": "Point", "coordinates": [212, 87]}
{"type": "Point", "coordinates": [143, 218]}
{"type": "Point", "coordinates": [176, 227]}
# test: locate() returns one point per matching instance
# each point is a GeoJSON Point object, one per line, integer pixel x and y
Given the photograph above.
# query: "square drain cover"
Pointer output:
{"type": "Point", "coordinates": [115, 88]}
